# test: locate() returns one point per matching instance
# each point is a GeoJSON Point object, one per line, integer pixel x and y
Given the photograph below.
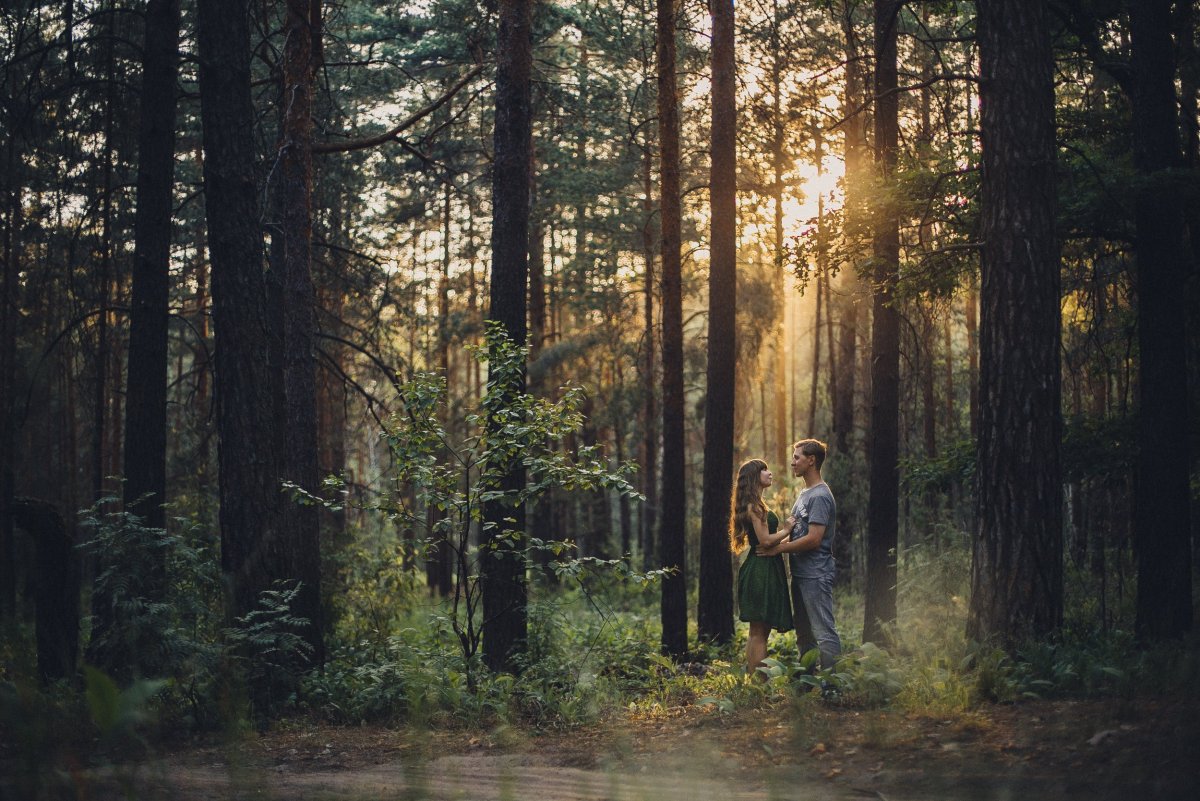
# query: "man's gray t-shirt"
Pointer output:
{"type": "Point", "coordinates": [815, 506]}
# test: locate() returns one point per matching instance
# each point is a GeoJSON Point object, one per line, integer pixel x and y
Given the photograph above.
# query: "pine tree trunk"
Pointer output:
{"type": "Point", "coordinates": [848, 308]}
{"type": "Point", "coordinates": [1016, 577]}
{"type": "Point", "coordinates": [715, 612]}
{"type": "Point", "coordinates": [298, 308]}
{"type": "Point", "coordinates": [649, 515]}
{"type": "Point", "coordinates": [783, 442]}
{"type": "Point", "coordinates": [503, 569]}
{"type": "Point", "coordinates": [672, 530]}
{"type": "Point", "coordinates": [254, 543]}
{"type": "Point", "coordinates": [1161, 528]}
{"type": "Point", "coordinates": [9, 308]}
{"type": "Point", "coordinates": [146, 409]}
{"type": "Point", "coordinates": [883, 437]}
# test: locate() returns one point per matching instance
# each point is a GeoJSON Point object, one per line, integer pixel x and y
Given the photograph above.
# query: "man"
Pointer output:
{"type": "Point", "coordinates": [810, 548]}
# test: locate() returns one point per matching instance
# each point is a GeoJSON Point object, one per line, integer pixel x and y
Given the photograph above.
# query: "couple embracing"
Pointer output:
{"type": "Point", "coordinates": [807, 537]}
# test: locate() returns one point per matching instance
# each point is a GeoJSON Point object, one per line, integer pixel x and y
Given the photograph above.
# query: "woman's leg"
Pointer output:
{"type": "Point", "coordinates": [756, 647]}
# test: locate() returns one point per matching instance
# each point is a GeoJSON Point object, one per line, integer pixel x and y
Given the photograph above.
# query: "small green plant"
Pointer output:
{"type": "Point", "coordinates": [172, 632]}
{"type": "Point", "coordinates": [268, 644]}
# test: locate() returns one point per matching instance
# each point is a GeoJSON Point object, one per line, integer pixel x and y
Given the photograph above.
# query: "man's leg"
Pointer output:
{"type": "Point", "coordinates": [805, 639]}
{"type": "Point", "coordinates": [817, 597]}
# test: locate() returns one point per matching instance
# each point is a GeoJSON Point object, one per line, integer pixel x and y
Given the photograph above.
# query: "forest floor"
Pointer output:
{"type": "Point", "coordinates": [1035, 750]}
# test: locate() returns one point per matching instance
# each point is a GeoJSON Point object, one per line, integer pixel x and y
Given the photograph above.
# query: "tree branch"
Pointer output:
{"type": "Point", "coordinates": [387, 136]}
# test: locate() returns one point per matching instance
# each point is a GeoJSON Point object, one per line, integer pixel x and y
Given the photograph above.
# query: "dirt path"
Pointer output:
{"type": "Point", "coordinates": [1033, 752]}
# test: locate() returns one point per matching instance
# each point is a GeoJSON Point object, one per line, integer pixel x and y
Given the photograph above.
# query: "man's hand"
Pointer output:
{"type": "Point", "coordinates": [767, 550]}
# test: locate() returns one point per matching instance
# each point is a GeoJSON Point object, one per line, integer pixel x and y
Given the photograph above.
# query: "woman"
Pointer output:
{"type": "Point", "coordinates": [762, 581]}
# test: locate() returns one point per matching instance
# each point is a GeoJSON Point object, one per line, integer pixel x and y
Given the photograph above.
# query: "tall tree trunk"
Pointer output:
{"type": "Point", "coordinates": [815, 372]}
{"type": "Point", "coordinates": [649, 516]}
{"type": "Point", "coordinates": [439, 560]}
{"type": "Point", "coordinates": [1016, 575]}
{"type": "Point", "coordinates": [848, 316]}
{"type": "Point", "coordinates": [715, 612]}
{"type": "Point", "coordinates": [672, 531]}
{"type": "Point", "coordinates": [145, 452]}
{"type": "Point", "coordinates": [146, 409]}
{"type": "Point", "coordinates": [9, 307]}
{"type": "Point", "coordinates": [781, 342]}
{"type": "Point", "coordinates": [1161, 528]}
{"type": "Point", "coordinates": [883, 438]}
{"type": "Point", "coordinates": [100, 434]}
{"type": "Point", "coordinates": [298, 310]}
{"type": "Point", "coordinates": [503, 572]}
{"type": "Point", "coordinates": [254, 543]}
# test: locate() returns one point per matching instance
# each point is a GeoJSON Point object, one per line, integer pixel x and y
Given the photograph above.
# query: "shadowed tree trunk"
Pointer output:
{"type": "Point", "coordinates": [883, 438]}
{"type": "Point", "coordinates": [715, 613]}
{"type": "Point", "coordinates": [1016, 576]}
{"type": "Point", "coordinates": [672, 531]}
{"type": "Point", "coordinates": [56, 587]}
{"type": "Point", "coordinates": [854, 130]}
{"type": "Point", "coordinates": [297, 309]}
{"type": "Point", "coordinates": [146, 407]}
{"type": "Point", "coordinates": [649, 517]}
{"type": "Point", "coordinates": [1161, 527]}
{"type": "Point", "coordinates": [781, 346]}
{"type": "Point", "coordinates": [503, 576]}
{"type": "Point", "coordinates": [254, 543]}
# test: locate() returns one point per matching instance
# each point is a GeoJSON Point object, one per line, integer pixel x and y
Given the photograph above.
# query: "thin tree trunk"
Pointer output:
{"type": "Point", "coordinates": [854, 155]}
{"type": "Point", "coordinates": [439, 567]}
{"type": "Point", "coordinates": [815, 372]}
{"type": "Point", "coordinates": [971, 308]}
{"type": "Point", "coordinates": [146, 409]}
{"type": "Point", "coordinates": [672, 531]}
{"type": "Point", "coordinates": [503, 569]}
{"type": "Point", "coordinates": [9, 309]}
{"type": "Point", "coordinates": [145, 450]}
{"type": "Point", "coordinates": [715, 612]}
{"type": "Point", "coordinates": [781, 362]}
{"type": "Point", "coordinates": [298, 308]}
{"type": "Point", "coordinates": [883, 436]}
{"type": "Point", "coordinates": [649, 515]}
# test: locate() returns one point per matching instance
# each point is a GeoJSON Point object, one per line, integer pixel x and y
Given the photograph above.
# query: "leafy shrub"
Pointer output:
{"type": "Point", "coordinates": [175, 637]}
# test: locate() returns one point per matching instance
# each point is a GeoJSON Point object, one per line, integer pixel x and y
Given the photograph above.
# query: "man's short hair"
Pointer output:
{"type": "Point", "coordinates": [813, 447]}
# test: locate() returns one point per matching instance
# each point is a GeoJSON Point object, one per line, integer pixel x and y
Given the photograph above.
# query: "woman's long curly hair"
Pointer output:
{"type": "Point", "coordinates": [747, 492]}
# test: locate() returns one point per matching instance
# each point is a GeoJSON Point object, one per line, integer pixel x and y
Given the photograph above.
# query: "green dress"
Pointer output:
{"type": "Point", "coordinates": [762, 585]}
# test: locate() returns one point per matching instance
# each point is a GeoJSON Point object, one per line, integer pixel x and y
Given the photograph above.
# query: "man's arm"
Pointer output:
{"type": "Point", "coordinates": [809, 542]}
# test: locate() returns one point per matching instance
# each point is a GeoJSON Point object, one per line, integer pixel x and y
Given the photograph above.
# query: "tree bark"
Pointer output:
{"type": "Point", "coordinates": [649, 516]}
{"type": "Point", "coordinates": [848, 308]}
{"type": "Point", "coordinates": [56, 588]}
{"type": "Point", "coordinates": [298, 435]}
{"type": "Point", "coordinates": [1016, 576]}
{"type": "Point", "coordinates": [781, 345]}
{"type": "Point", "coordinates": [146, 406]}
{"type": "Point", "coordinates": [715, 612]}
{"type": "Point", "coordinates": [672, 530]}
{"type": "Point", "coordinates": [145, 453]}
{"type": "Point", "coordinates": [254, 544]}
{"type": "Point", "coordinates": [503, 570]}
{"type": "Point", "coordinates": [1161, 528]}
{"type": "Point", "coordinates": [883, 438]}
